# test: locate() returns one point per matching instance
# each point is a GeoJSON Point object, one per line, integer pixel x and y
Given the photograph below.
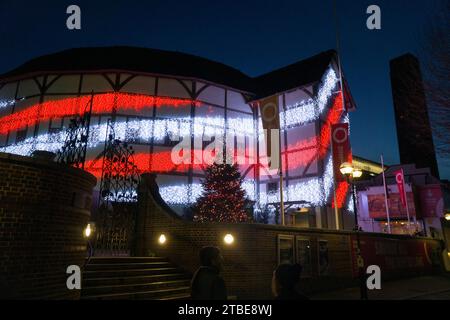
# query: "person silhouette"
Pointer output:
{"type": "Point", "coordinates": [207, 284]}
{"type": "Point", "coordinates": [285, 280]}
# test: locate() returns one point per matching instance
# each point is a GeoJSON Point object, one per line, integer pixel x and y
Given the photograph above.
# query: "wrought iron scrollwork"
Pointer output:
{"type": "Point", "coordinates": [73, 152]}
{"type": "Point", "coordinates": [118, 197]}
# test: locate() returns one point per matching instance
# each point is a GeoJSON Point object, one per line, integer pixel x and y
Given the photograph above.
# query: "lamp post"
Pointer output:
{"type": "Point", "coordinates": [350, 173]}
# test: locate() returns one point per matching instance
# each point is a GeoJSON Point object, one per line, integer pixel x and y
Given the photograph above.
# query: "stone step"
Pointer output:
{"type": "Point", "coordinates": [141, 295]}
{"type": "Point", "coordinates": [126, 266]}
{"type": "Point", "coordinates": [134, 278]}
{"type": "Point", "coordinates": [141, 287]}
{"type": "Point", "coordinates": [91, 282]}
{"type": "Point", "coordinates": [106, 260]}
{"type": "Point", "coordinates": [181, 296]}
{"type": "Point", "coordinates": [128, 273]}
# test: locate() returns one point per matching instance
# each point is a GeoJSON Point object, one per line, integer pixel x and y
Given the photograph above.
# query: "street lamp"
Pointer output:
{"type": "Point", "coordinates": [350, 173]}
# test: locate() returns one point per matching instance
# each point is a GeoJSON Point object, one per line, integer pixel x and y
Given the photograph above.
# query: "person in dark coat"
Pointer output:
{"type": "Point", "coordinates": [285, 282]}
{"type": "Point", "coordinates": [207, 284]}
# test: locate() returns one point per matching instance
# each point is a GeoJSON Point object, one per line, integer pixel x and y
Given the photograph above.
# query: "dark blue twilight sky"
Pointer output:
{"type": "Point", "coordinates": [253, 36]}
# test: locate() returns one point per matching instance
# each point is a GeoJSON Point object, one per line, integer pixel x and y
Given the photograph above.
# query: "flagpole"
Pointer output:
{"type": "Point", "coordinates": [406, 201]}
{"type": "Point", "coordinates": [336, 211]}
{"type": "Point", "coordinates": [281, 180]}
{"type": "Point", "coordinates": [385, 196]}
{"type": "Point", "coordinates": [281, 200]}
{"type": "Point", "coordinates": [338, 53]}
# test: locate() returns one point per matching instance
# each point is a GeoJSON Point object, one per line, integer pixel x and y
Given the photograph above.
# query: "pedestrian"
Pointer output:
{"type": "Point", "coordinates": [207, 284]}
{"type": "Point", "coordinates": [285, 282]}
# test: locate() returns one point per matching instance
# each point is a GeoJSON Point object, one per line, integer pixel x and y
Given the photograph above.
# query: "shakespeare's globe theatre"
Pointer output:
{"type": "Point", "coordinates": [154, 98]}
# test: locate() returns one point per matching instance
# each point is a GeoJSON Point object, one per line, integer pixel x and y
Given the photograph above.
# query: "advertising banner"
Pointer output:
{"type": "Point", "coordinates": [431, 201]}
{"type": "Point", "coordinates": [395, 256]}
{"type": "Point", "coordinates": [341, 148]}
{"type": "Point", "coordinates": [377, 206]}
{"type": "Point", "coordinates": [400, 179]}
{"type": "Point", "coordinates": [270, 117]}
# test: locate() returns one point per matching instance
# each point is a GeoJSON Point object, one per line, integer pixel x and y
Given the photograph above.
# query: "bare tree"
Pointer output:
{"type": "Point", "coordinates": [436, 70]}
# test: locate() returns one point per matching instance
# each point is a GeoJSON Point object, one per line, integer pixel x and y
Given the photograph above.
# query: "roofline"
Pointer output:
{"type": "Point", "coordinates": [102, 71]}
{"type": "Point", "coordinates": [258, 98]}
{"type": "Point", "coordinates": [370, 161]}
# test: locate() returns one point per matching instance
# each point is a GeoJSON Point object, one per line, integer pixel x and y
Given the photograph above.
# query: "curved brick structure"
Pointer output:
{"type": "Point", "coordinates": [251, 260]}
{"type": "Point", "coordinates": [44, 208]}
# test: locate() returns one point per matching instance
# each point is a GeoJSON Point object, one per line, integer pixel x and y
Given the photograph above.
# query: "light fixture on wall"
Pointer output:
{"type": "Point", "coordinates": [88, 230]}
{"type": "Point", "coordinates": [162, 239]}
{"type": "Point", "coordinates": [302, 210]}
{"type": "Point", "coordinates": [228, 239]}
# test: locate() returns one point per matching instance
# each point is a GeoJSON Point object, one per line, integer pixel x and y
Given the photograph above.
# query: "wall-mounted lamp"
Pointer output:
{"type": "Point", "coordinates": [302, 210]}
{"type": "Point", "coordinates": [88, 231]}
{"type": "Point", "coordinates": [228, 239]}
{"type": "Point", "coordinates": [162, 239]}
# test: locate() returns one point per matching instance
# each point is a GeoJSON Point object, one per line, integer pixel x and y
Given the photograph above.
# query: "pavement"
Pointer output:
{"type": "Point", "coordinates": [419, 288]}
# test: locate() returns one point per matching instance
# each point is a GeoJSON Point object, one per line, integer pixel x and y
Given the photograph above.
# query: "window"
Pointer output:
{"type": "Point", "coordinates": [21, 135]}
{"type": "Point", "coordinates": [303, 256]}
{"type": "Point", "coordinates": [272, 187]}
{"type": "Point", "coordinates": [285, 249]}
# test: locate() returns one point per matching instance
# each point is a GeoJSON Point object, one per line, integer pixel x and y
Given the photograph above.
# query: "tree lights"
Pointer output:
{"type": "Point", "coordinates": [223, 198]}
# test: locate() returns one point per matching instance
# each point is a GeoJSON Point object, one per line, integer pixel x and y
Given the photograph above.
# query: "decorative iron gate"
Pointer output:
{"type": "Point", "coordinates": [73, 152]}
{"type": "Point", "coordinates": [116, 216]}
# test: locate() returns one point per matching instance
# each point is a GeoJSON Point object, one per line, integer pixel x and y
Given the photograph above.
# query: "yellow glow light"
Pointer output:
{"type": "Point", "coordinates": [346, 168]}
{"type": "Point", "coordinates": [228, 239]}
{"type": "Point", "coordinates": [357, 173]}
{"type": "Point", "coordinates": [447, 216]}
{"type": "Point", "coordinates": [88, 231]}
{"type": "Point", "coordinates": [162, 239]}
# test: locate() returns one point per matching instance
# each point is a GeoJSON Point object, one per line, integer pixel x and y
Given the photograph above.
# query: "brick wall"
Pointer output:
{"type": "Point", "coordinates": [250, 261]}
{"type": "Point", "coordinates": [44, 208]}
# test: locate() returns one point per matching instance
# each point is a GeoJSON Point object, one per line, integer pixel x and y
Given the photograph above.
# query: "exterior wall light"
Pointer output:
{"type": "Point", "coordinates": [357, 173]}
{"type": "Point", "coordinates": [447, 216]}
{"type": "Point", "coordinates": [346, 168]}
{"type": "Point", "coordinates": [87, 231]}
{"type": "Point", "coordinates": [228, 239]}
{"type": "Point", "coordinates": [162, 239]}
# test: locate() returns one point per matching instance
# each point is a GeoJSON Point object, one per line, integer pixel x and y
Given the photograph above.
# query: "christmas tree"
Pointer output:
{"type": "Point", "coordinates": [223, 199]}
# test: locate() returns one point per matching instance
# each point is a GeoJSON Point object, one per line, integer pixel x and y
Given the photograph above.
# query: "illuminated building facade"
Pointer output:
{"type": "Point", "coordinates": [152, 96]}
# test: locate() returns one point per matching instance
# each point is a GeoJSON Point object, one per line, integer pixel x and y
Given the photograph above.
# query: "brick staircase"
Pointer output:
{"type": "Point", "coordinates": [134, 278]}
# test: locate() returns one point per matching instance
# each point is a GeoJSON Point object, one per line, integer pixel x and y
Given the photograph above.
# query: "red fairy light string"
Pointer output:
{"type": "Point", "coordinates": [103, 103]}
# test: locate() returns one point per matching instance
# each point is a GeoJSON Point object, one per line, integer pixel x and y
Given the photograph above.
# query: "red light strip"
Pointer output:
{"type": "Point", "coordinates": [341, 194]}
{"type": "Point", "coordinates": [333, 117]}
{"type": "Point", "coordinates": [103, 103]}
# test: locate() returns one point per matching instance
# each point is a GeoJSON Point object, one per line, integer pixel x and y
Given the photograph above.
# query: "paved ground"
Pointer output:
{"type": "Point", "coordinates": [420, 288]}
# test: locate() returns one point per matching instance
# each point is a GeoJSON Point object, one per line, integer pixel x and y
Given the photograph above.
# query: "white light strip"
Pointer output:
{"type": "Point", "coordinates": [328, 87]}
{"type": "Point", "coordinates": [6, 103]}
{"type": "Point", "coordinates": [137, 129]}
{"type": "Point", "coordinates": [188, 194]}
{"type": "Point", "coordinates": [305, 111]}
{"type": "Point", "coordinates": [298, 114]}
{"type": "Point", "coordinates": [309, 190]}
{"type": "Point", "coordinates": [328, 177]}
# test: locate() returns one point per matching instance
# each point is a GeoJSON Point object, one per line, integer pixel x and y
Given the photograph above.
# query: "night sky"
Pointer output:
{"type": "Point", "coordinates": [255, 37]}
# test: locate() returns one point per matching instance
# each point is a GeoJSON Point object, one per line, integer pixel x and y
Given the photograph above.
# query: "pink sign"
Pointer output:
{"type": "Point", "coordinates": [431, 201]}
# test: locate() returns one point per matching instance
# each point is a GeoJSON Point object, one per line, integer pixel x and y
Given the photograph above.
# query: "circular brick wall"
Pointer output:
{"type": "Point", "coordinates": [44, 208]}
